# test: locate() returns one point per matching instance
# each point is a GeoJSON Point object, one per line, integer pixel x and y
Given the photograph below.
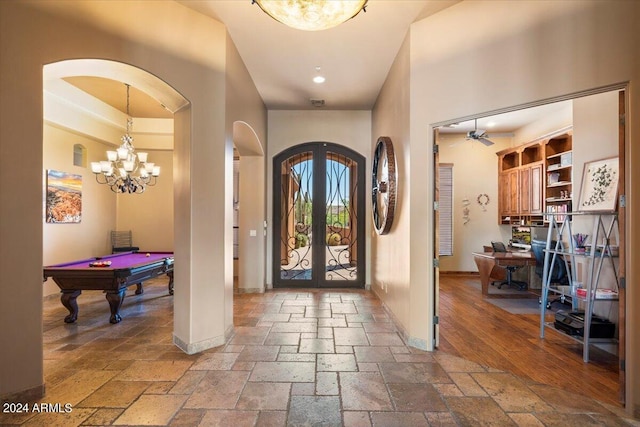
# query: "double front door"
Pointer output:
{"type": "Point", "coordinates": [319, 217]}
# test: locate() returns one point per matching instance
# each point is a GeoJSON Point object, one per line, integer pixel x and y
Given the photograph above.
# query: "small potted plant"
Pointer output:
{"type": "Point", "coordinates": [301, 240]}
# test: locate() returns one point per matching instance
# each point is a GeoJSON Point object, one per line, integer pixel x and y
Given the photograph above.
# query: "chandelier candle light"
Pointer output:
{"type": "Point", "coordinates": [118, 170]}
{"type": "Point", "coordinates": [312, 15]}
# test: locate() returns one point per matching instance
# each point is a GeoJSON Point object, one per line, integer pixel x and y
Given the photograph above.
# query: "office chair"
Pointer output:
{"type": "Point", "coordinates": [558, 272]}
{"type": "Point", "coordinates": [499, 247]}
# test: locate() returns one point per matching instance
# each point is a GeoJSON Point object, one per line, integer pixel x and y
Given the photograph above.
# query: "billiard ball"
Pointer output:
{"type": "Point", "coordinates": [148, 254]}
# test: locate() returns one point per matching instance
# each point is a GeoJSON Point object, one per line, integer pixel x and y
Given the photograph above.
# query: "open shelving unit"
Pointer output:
{"type": "Point", "coordinates": [561, 244]}
{"type": "Point", "coordinates": [559, 174]}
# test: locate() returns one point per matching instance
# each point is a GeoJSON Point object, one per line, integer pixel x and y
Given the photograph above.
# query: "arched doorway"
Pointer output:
{"type": "Point", "coordinates": [84, 100]}
{"type": "Point", "coordinates": [319, 217]}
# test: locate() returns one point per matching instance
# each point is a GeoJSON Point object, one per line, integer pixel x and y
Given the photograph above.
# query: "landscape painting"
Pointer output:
{"type": "Point", "coordinates": [64, 197]}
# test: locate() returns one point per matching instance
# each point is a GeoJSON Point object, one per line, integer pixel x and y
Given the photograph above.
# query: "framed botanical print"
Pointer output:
{"type": "Point", "coordinates": [599, 190]}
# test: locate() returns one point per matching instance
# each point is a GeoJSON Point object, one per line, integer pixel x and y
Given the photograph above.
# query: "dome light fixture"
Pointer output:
{"type": "Point", "coordinates": [311, 15]}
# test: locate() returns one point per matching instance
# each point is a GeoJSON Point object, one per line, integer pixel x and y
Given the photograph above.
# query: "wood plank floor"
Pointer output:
{"type": "Point", "coordinates": [472, 328]}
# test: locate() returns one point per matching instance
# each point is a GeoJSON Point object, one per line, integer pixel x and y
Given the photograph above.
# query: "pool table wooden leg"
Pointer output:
{"type": "Point", "coordinates": [115, 302]}
{"type": "Point", "coordinates": [139, 289]}
{"type": "Point", "coordinates": [170, 274]}
{"type": "Point", "coordinates": [68, 300]}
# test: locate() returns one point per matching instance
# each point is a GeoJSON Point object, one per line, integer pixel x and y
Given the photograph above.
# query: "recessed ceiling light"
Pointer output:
{"type": "Point", "coordinates": [318, 79]}
{"type": "Point", "coordinates": [491, 124]}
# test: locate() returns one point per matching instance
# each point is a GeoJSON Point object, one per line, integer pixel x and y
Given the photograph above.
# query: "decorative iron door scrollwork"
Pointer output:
{"type": "Point", "coordinates": [319, 212]}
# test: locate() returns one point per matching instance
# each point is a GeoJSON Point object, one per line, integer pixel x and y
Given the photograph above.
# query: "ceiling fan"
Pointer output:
{"type": "Point", "coordinates": [479, 135]}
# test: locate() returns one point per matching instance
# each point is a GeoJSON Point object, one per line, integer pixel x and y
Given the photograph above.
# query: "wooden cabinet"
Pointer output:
{"type": "Point", "coordinates": [535, 178]}
{"type": "Point", "coordinates": [520, 184]}
{"type": "Point", "coordinates": [508, 184]}
{"type": "Point", "coordinates": [531, 179]}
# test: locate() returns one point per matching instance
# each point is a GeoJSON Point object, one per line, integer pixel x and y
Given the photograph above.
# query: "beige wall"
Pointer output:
{"type": "Point", "coordinates": [149, 215]}
{"type": "Point", "coordinates": [559, 118]}
{"type": "Point", "coordinates": [247, 126]}
{"type": "Point", "coordinates": [251, 231]}
{"type": "Point", "coordinates": [288, 128]}
{"type": "Point", "coordinates": [156, 36]}
{"type": "Point", "coordinates": [391, 279]}
{"type": "Point", "coordinates": [475, 172]}
{"type": "Point", "coordinates": [573, 44]}
{"type": "Point", "coordinates": [69, 242]}
{"type": "Point", "coordinates": [595, 137]}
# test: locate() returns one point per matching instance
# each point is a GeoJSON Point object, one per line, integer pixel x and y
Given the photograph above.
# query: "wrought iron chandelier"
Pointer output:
{"type": "Point", "coordinates": [126, 171]}
{"type": "Point", "coordinates": [312, 15]}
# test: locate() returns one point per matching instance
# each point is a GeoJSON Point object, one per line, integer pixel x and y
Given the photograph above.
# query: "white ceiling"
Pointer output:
{"type": "Point", "coordinates": [507, 122]}
{"type": "Point", "coordinates": [354, 57]}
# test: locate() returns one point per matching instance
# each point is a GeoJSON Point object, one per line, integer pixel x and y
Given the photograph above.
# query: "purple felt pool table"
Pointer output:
{"type": "Point", "coordinates": [111, 274]}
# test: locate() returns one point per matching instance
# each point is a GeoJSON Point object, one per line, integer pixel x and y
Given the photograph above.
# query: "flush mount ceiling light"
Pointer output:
{"type": "Point", "coordinates": [311, 15]}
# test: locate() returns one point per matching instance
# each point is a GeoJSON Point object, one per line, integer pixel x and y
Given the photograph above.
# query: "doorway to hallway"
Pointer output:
{"type": "Point", "coordinates": [318, 213]}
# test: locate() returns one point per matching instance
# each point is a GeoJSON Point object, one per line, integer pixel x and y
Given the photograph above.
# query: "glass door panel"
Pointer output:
{"type": "Point", "coordinates": [341, 218]}
{"type": "Point", "coordinates": [318, 218]}
{"type": "Point", "coordinates": [296, 217]}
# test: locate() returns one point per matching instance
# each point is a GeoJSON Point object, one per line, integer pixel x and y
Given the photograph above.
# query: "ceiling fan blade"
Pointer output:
{"type": "Point", "coordinates": [500, 135]}
{"type": "Point", "coordinates": [485, 141]}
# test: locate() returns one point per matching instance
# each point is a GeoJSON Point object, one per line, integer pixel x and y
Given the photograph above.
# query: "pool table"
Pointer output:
{"type": "Point", "coordinates": [111, 274]}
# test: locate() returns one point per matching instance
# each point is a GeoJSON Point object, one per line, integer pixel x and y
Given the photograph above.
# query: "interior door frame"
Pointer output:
{"type": "Point", "coordinates": [623, 141]}
{"type": "Point", "coordinates": [436, 239]}
{"type": "Point", "coordinates": [319, 150]}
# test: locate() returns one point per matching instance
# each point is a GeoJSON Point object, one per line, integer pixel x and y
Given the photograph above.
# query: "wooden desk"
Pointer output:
{"type": "Point", "coordinates": [489, 265]}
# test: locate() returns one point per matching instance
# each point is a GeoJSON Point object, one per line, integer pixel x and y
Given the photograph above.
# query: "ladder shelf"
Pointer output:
{"type": "Point", "coordinates": [560, 243]}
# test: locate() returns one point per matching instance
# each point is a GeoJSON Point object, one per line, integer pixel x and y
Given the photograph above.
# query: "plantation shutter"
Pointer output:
{"type": "Point", "coordinates": [445, 209]}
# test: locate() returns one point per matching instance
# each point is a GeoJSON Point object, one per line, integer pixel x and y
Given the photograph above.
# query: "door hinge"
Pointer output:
{"type": "Point", "coordinates": [623, 201]}
{"type": "Point", "coordinates": [436, 263]}
{"type": "Point", "coordinates": [623, 365]}
{"type": "Point", "coordinates": [623, 119]}
{"type": "Point", "coordinates": [436, 205]}
{"type": "Point", "coordinates": [622, 283]}
{"type": "Point", "coordinates": [436, 148]}
{"type": "Point", "coordinates": [436, 320]}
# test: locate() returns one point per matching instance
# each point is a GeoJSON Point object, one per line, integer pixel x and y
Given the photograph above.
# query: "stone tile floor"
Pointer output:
{"type": "Point", "coordinates": [297, 358]}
